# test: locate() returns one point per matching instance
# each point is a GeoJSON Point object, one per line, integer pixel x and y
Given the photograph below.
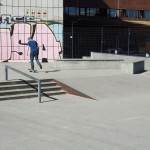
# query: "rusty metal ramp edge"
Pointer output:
{"type": "Point", "coordinates": [71, 90]}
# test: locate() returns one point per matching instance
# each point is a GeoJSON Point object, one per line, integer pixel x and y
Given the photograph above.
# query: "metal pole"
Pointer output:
{"type": "Point", "coordinates": [101, 39]}
{"type": "Point", "coordinates": [72, 39]}
{"type": "Point", "coordinates": [118, 5]}
{"type": "Point", "coordinates": [39, 91]}
{"type": "Point", "coordinates": [6, 73]}
{"type": "Point", "coordinates": [73, 35]}
{"type": "Point", "coordinates": [128, 41]}
{"type": "Point", "coordinates": [39, 81]}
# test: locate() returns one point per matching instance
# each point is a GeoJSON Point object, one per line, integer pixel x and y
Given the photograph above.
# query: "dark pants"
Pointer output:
{"type": "Point", "coordinates": [32, 56]}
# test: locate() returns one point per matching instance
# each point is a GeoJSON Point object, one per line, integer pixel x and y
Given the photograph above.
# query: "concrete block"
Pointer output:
{"type": "Point", "coordinates": [132, 67]}
{"type": "Point", "coordinates": [87, 64]}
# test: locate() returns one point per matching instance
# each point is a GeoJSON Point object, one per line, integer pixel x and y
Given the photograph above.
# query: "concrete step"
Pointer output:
{"type": "Point", "coordinates": [26, 85]}
{"type": "Point", "coordinates": [14, 82]}
{"type": "Point", "coordinates": [32, 95]}
{"type": "Point", "coordinates": [18, 89]}
{"type": "Point", "coordinates": [28, 90]}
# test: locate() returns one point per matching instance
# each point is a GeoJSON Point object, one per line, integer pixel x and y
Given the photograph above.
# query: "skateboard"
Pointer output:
{"type": "Point", "coordinates": [35, 71]}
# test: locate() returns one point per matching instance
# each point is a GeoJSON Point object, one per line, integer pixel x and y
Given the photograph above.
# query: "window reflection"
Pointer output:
{"type": "Point", "coordinates": [66, 11]}
{"type": "Point", "coordinates": [141, 14]}
{"type": "Point", "coordinates": [91, 11]}
{"type": "Point", "coordinates": [82, 11]}
{"type": "Point", "coordinates": [104, 12]}
{"type": "Point", "coordinates": [132, 13]}
{"type": "Point", "coordinates": [147, 14]}
{"type": "Point", "coordinates": [72, 11]}
{"type": "Point", "coordinates": [113, 12]}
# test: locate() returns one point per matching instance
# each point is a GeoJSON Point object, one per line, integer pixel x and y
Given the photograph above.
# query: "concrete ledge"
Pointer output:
{"type": "Point", "coordinates": [87, 63]}
{"type": "Point", "coordinates": [128, 58]}
{"type": "Point", "coordinates": [132, 67]}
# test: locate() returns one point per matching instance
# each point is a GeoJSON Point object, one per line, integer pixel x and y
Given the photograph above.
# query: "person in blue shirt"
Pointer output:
{"type": "Point", "coordinates": [34, 52]}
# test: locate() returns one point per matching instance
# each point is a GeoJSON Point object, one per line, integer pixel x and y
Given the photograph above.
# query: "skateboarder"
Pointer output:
{"type": "Point", "coordinates": [34, 52]}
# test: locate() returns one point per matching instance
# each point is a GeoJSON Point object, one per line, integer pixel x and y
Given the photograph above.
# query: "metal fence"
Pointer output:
{"type": "Point", "coordinates": [80, 40]}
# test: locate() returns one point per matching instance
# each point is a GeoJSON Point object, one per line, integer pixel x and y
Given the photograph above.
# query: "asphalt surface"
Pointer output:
{"type": "Point", "coordinates": [118, 118]}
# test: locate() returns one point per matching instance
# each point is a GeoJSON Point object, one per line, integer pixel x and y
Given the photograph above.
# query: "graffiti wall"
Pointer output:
{"type": "Point", "coordinates": [40, 19]}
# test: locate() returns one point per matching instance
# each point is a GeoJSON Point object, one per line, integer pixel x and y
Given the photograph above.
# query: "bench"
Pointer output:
{"type": "Point", "coordinates": [132, 67]}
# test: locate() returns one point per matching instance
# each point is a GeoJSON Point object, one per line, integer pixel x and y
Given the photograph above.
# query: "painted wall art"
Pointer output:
{"type": "Point", "coordinates": [40, 19]}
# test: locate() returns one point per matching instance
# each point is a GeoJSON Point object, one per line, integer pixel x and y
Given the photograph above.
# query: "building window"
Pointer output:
{"type": "Point", "coordinates": [66, 10]}
{"type": "Point", "coordinates": [97, 12]}
{"type": "Point", "coordinates": [91, 11]}
{"type": "Point", "coordinates": [113, 13]}
{"type": "Point", "coordinates": [77, 11]}
{"type": "Point", "coordinates": [141, 14]}
{"type": "Point", "coordinates": [132, 13]}
{"type": "Point", "coordinates": [72, 11]}
{"type": "Point", "coordinates": [147, 14]}
{"type": "Point", "coordinates": [83, 12]}
{"type": "Point", "coordinates": [123, 13]}
{"type": "Point", "coordinates": [103, 12]}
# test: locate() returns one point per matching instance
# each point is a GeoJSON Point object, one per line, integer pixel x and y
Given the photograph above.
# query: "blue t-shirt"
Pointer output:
{"type": "Point", "coordinates": [33, 45]}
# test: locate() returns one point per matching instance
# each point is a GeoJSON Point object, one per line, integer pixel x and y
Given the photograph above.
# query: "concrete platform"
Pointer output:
{"type": "Point", "coordinates": [87, 64]}
{"type": "Point", "coordinates": [133, 67]}
{"type": "Point", "coordinates": [117, 120]}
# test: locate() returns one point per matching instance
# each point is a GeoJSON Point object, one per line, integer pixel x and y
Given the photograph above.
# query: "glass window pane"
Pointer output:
{"type": "Point", "coordinates": [77, 11]}
{"type": "Point", "coordinates": [113, 12]}
{"type": "Point", "coordinates": [132, 13]}
{"type": "Point", "coordinates": [72, 11]}
{"type": "Point", "coordinates": [108, 12]}
{"type": "Point", "coordinates": [146, 14]}
{"type": "Point", "coordinates": [91, 11]}
{"type": "Point", "coordinates": [82, 12]}
{"type": "Point", "coordinates": [66, 10]}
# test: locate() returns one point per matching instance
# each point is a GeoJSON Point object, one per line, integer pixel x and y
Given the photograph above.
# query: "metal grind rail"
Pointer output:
{"type": "Point", "coordinates": [24, 74]}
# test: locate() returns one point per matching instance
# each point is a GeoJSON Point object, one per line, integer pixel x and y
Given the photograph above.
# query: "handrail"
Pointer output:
{"type": "Point", "coordinates": [22, 73]}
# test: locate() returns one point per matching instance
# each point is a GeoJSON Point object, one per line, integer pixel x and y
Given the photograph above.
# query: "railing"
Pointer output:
{"type": "Point", "coordinates": [38, 80]}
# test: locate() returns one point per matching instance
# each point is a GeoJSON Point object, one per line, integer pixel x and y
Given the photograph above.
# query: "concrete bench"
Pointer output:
{"type": "Point", "coordinates": [132, 67]}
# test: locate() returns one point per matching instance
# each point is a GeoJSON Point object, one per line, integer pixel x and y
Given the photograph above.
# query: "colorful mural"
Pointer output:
{"type": "Point", "coordinates": [40, 19]}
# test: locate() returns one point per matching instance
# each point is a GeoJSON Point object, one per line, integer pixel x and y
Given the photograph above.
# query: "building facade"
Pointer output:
{"type": "Point", "coordinates": [74, 28]}
{"type": "Point", "coordinates": [106, 25]}
{"type": "Point", "coordinates": [40, 19]}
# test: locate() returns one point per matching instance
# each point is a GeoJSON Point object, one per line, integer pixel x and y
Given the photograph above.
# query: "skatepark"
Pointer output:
{"type": "Point", "coordinates": [117, 118]}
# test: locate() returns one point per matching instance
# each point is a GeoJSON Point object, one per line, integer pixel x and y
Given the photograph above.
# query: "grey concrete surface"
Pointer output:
{"type": "Point", "coordinates": [87, 64]}
{"type": "Point", "coordinates": [95, 55]}
{"type": "Point", "coordinates": [133, 67]}
{"type": "Point", "coordinates": [119, 118]}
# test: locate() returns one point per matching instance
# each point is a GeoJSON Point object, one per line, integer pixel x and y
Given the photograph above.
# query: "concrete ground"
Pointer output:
{"type": "Point", "coordinates": [118, 118]}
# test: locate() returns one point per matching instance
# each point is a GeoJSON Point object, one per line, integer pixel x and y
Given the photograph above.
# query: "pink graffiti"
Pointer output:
{"type": "Point", "coordinates": [5, 44]}
{"type": "Point", "coordinates": [9, 47]}
{"type": "Point", "coordinates": [21, 32]}
{"type": "Point", "coordinates": [46, 39]}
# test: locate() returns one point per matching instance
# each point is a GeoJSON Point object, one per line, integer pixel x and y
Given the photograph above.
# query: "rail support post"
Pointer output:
{"type": "Point", "coordinates": [6, 73]}
{"type": "Point", "coordinates": [22, 73]}
{"type": "Point", "coordinates": [39, 91]}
